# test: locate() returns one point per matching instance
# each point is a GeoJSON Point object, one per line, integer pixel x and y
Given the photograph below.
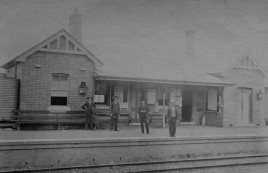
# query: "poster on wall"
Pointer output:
{"type": "Point", "coordinates": [151, 96]}
{"type": "Point", "coordinates": [99, 98]}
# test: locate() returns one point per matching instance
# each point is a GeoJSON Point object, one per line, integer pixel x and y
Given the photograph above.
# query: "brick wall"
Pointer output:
{"type": "Point", "coordinates": [253, 79]}
{"type": "Point", "coordinates": [36, 82]}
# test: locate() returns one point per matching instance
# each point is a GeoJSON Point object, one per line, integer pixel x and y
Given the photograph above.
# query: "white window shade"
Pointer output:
{"type": "Point", "coordinates": [59, 83]}
{"type": "Point", "coordinates": [212, 101]}
{"type": "Point", "coordinates": [59, 93]}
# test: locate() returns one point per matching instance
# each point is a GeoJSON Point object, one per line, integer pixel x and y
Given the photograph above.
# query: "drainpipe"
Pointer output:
{"type": "Point", "coordinates": [15, 75]}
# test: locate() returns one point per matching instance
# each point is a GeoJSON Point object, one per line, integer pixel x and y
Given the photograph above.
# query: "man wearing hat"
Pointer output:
{"type": "Point", "coordinates": [173, 115]}
{"type": "Point", "coordinates": [89, 108]}
{"type": "Point", "coordinates": [143, 113]}
{"type": "Point", "coordinates": [115, 113]}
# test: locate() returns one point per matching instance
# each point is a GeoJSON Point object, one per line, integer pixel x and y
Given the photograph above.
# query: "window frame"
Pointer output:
{"type": "Point", "coordinates": [67, 88]}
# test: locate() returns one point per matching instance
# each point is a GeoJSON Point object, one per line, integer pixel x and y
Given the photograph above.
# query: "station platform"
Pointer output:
{"type": "Point", "coordinates": [184, 131]}
{"type": "Point", "coordinates": [108, 151]}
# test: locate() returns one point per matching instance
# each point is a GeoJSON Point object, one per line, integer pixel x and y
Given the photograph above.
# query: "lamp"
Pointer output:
{"type": "Point", "coordinates": [83, 88]}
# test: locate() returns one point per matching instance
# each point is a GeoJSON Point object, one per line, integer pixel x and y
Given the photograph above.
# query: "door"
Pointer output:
{"type": "Point", "coordinates": [244, 106]}
{"type": "Point", "coordinates": [187, 99]}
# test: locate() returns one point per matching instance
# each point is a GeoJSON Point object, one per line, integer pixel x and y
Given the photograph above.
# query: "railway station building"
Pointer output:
{"type": "Point", "coordinates": [57, 75]}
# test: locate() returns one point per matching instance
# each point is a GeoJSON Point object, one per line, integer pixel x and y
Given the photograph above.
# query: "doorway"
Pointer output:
{"type": "Point", "coordinates": [244, 105]}
{"type": "Point", "coordinates": [187, 102]}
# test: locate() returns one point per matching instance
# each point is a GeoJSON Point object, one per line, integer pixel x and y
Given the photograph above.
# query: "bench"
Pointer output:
{"type": "Point", "coordinates": [8, 121]}
{"type": "Point", "coordinates": [52, 118]}
{"type": "Point", "coordinates": [104, 115]}
{"type": "Point", "coordinates": [156, 116]}
{"type": "Point", "coordinates": [66, 118]}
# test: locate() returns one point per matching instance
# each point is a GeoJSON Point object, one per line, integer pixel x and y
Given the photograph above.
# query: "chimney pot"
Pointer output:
{"type": "Point", "coordinates": [190, 48]}
{"type": "Point", "coordinates": [75, 25]}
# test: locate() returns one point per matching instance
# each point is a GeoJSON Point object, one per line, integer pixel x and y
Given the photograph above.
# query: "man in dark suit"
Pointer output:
{"type": "Point", "coordinates": [173, 115]}
{"type": "Point", "coordinates": [143, 113]}
{"type": "Point", "coordinates": [89, 108]}
{"type": "Point", "coordinates": [115, 113]}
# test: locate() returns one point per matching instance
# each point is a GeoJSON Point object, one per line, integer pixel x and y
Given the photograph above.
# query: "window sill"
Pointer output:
{"type": "Point", "coordinates": [58, 108]}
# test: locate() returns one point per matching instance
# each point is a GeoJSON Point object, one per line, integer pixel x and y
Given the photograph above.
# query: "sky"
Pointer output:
{"type": "Point", "coordinates": [138, 32]}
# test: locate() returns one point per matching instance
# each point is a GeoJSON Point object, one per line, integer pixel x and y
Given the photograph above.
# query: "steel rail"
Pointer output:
{"type": "Point", "coordinates": [148, 163]}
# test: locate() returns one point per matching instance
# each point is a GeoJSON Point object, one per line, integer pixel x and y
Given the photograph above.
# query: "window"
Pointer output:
{"type": "Point", "coordinates": [160, 95]}
{"type": "Point", "coordinates": [151, 96]}
{"type": "Point", "coordinates": [53, 44]}
{"type": "Point", "coordinates": [62, 42]}
{"type": "Point", "coordinates": [70, 45]}
{"type": "Point", "coordinates": [175, 96]}
{"type": "Point", "coordinates": [160, 102]}
{"type": "Point", "coordinates": [212, 100]}
{"type": "Point", "coordinates": [59, 90]}
{"type": "Point", "coordinates": [122, 93]}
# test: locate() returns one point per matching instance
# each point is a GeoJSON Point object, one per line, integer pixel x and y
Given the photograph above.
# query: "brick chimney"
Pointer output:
{"type": "Point", "coordinates": [189, 47]}
{"type": "Point", "coordinates": [76, 25]}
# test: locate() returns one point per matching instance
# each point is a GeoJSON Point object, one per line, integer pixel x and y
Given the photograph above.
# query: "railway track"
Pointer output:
{"type": "Point", "coordinates": [192, 165]}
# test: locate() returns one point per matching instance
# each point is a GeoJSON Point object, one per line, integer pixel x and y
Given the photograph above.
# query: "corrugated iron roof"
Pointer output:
{"type": "Point", "coordinates": [160, 71]}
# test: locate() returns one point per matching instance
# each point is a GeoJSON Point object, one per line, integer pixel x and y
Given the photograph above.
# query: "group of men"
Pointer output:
{"type": "Point", "coordinates": [143, 111]}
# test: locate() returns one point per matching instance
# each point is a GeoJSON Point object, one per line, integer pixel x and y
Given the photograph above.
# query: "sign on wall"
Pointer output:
{"type": "Point", "coordinates": [99, 98]}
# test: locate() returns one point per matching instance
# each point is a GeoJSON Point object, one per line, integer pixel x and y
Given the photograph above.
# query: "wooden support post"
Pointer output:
{"type": "Point", "coordinates": [164, 98]}
{"type": "Point", "coordinates": [203, 121]}
{"type": "Point", "coordinates": [110, 93]}
{"type": "Point", "coordinates": [136, 101]}
{"type": "Point", "coordinates": [221, 99]}
{"type": "Point", "coordinates": [205, 99]}
{"type": "Point", "coordinates": [129, 107]}
{"type": "Point", "coordinates": [128, 98]}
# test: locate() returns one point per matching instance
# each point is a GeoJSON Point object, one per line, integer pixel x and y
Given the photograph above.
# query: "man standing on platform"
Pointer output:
{"type": "Point", "coordinates": [173, 115]}
{"type": "Point", "coordinates": [143, 113]}
{"type": "Point", "coordinates": [89, 108]}
{"type": "Point", "coordinates": [115, 113]}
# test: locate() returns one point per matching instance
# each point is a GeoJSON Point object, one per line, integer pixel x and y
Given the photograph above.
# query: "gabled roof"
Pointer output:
{"type": "Point", "coordinates": [246, 61]}
{"type": "Point", "coordinates": [62, 42]}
